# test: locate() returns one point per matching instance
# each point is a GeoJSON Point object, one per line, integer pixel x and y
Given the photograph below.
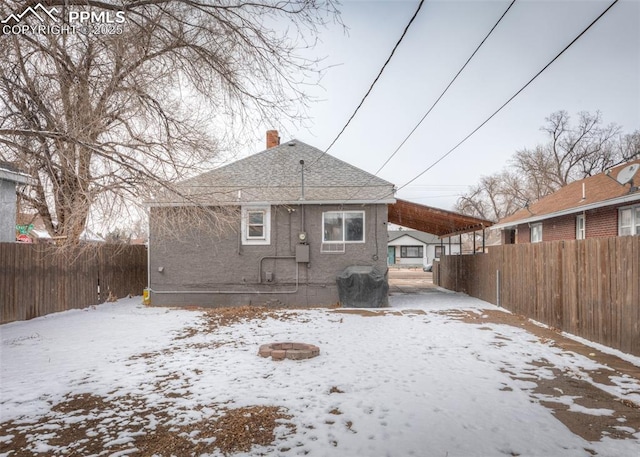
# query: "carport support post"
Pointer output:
{"type": "Point", "coordinates": [483, 234]}
{"type": "Point", "coordinates": [474, 242]}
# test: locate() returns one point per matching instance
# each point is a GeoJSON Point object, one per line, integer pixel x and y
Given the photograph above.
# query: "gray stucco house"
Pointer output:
{"type": "Point", "coordinates": [283, 223]}
{"type": "Point", "coordinates": [10, 176]}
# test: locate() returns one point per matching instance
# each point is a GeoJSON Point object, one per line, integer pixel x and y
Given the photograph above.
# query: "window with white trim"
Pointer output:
{"type": "Point", "coordinates": [580, 227]}
{"type": "Point", "coordinates": [256, 225]}
{"type": "Point", "coordinates": [411, 252]}
{"type": "Point", "coordinates": [536, 232]}
{"type": "Point", "coordinates": [629, 221]}
{"type": "Point", "coordinates": [343, 227]}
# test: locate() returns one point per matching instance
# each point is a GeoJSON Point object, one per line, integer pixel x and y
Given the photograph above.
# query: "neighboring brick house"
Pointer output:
{"type": "Point", "coordinates": [597, 206]}
{"type": "Point", "coordinates": [296, 217]}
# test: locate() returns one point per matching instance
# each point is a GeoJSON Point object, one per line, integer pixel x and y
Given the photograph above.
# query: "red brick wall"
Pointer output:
{"type": "Point", "coordinates": [600, 222]}
{"type": "Point", "coordinates": [524, 234]}
{"type": "Point", "coordinates": [559, 228]}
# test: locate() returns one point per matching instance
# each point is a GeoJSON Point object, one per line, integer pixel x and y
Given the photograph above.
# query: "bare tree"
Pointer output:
{"type": "Point", "coordinates": [573, 152]}
{"type": "Point", "coordinates": [494, 197]}
{"type": "Point", "coordinates": [101, 119]}
{"type": "Point", "coordinates": [628, 147]}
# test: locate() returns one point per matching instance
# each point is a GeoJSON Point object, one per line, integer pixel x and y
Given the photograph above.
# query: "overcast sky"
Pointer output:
{"type": "Point", "coordinates": [601, 71]}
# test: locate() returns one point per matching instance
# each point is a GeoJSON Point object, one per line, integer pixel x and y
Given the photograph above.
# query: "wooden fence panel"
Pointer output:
{"type": "Point", "coordinates": [123, 272]}
{"type": "Point", "coordinates": [569, 298]}
{"type": "Point", "coordinates": [7, 283]}
{"type": "Point", "coordinates": [628, 288]}
{"type": "Point", "coordinates": [589, 288]}
{"type": "Point", "coordinates": [36, 280]}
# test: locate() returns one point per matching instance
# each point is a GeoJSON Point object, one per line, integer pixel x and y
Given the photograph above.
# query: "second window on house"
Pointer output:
{"type": "Point", "coordinates": [411, 252]}
{"type": "Point", "coordinates": [580, 227]}
{"type": "Point", "coordinates": [343, 227]}
{"type": "Point", "coordinates": [536, 232]}
{"type": "Point", "coordinates": [629, 221]}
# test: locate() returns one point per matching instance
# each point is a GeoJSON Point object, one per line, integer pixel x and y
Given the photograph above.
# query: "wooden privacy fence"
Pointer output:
{"type": "Point", "coordinates": [588, 288]}
{"type": "Point", "coordinates": [36, 280]}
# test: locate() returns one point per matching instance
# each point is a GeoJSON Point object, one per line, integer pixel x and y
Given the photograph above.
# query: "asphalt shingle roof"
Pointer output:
{"type": "Point", "coordinates": [599, 190]}
{"type": "Point", "coordinates": [274, 176]}
{"type": "Point", "coordinates": [426, 238]}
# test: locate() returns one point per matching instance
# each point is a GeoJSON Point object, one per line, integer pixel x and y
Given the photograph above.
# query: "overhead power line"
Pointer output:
{"type": "Point", "coordinates": [443, 92]}
{"type": "Point", "coordinates": [446, 89]}
{"type": "Point", "coordinates": [406, 29]}
{"type": "Point", "coordinates": [510, 99]}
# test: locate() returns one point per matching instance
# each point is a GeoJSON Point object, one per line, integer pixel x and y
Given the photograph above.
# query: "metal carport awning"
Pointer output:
{"type": "Point", "coordinates": [434, 220]}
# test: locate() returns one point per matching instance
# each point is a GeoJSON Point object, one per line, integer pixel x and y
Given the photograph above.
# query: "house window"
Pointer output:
{"type": "Point", "coordinates": [255, 225]}
{"type": "Point", "coordinates": [438, 252]}
{"type": "Point", "coordinates": [580, 227]}
{"type": "Point", "coordinates": [343, 227]}
{"type": "Point", "coordinates": [536, 232]}
{"type": "Point", "coordinates": [509, 236]}
{"type": "Point", "coordinates": [411, 252]}
{"type": "Point", "coordinates": [629, 221]}
{"type": "Point", "coordinates": [256, 222]}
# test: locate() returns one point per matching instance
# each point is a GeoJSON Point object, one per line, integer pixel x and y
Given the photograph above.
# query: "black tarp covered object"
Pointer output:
{"type": "Point", "coordinates": [363, 287]}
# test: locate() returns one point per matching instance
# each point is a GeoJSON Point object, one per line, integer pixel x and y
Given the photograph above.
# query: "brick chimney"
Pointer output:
{"type": "Point", "coordinates": [273, 139]}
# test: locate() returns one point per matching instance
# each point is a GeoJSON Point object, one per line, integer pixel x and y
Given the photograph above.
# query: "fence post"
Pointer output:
{"type": "Point", "coordinates": [498, 287]}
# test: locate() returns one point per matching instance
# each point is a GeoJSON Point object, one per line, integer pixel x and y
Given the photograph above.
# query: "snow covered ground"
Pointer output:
{"type": "Point", "coordinates": [414, 381]}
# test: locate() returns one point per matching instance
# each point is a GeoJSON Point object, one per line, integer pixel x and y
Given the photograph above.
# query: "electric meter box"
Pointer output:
{"type": "Point", "coordinates": [302, 253]}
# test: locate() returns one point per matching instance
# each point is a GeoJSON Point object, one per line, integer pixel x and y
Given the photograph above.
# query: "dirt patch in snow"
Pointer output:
{"type": "Point", "coordinates": [585, 409]}
{"type": "Point", "coordinates": [240, 429]}
{"type": "Point", "coordinates": [214, 318]}
{"type": "Point", "coordinates": [91, 425]}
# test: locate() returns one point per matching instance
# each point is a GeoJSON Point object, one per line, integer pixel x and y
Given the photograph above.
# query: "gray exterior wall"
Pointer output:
{"type": "Point", "coordinates": [215, 269]}
{"type": "Point", "coordinates": [7, 211]}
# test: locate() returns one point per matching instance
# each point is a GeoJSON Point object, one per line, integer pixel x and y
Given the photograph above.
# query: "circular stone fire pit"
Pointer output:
{"type": "Point", "coordinates": [293, 351]}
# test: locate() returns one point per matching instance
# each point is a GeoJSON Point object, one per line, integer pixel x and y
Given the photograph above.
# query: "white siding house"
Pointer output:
{"type": "Point", "coordinates": [414, 248]}
{"type": "Point", "coordinates": [10, 177]}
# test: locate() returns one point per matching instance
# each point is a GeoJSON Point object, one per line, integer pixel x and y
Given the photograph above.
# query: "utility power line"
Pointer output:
{"type": "Point", "coordinates": [446, 89]}
{"type": "Point", "coordinates": [443, 92]}
{"type": "Point", "coordinates": [406, 29]}
{"type": "Point", "coordinates": [510, 99]}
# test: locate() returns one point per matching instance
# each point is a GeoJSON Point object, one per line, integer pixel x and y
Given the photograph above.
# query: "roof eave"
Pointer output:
{"type": "Point", "coordinates": [576, 209]}
{"type": "Point", "coordinates": [434, 241]}
{"type": "Point", "coordinates": [386, 201]}
{"type": "Point", "coordinates": [17, 177]}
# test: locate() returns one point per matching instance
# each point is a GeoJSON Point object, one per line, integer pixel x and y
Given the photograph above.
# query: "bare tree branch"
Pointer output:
{"type": "Point", "coordinates": [573, 152]}
{"type": "Point", "coordinates": [99, 118]}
